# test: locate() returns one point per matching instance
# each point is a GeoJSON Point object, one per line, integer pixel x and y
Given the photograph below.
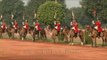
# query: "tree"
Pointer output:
{"type": "Point", "coordinates": [11, 7]}
{"type": "Point", "coordinates": [32, 7]}
{"type": "Point", "coordinates": [95, 8]}
{"type": "Point", "coordinates": [50, 11]}
{"type": "Point", "coordinates": [59, 1]}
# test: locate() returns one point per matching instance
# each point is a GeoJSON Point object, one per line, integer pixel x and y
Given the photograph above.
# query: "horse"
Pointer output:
{"type": "Point", "coordinates": [22, 32]}
{"type": "Point", "coordinates": [10, 30]}
{"type": "Point", "coordinates": [51, 33]}
{"type": "Point", "coordinates": [41, 34]}
{"type": "Point", "coordinates": [55, 34]}
{"type": "Point", "coordinates": [0, 32]}
{"type": "Point", "coordinates": [80, 34]}
{"type": "Point", "coordinates": [95, 35]}
{"type": "Point", "coordinates": [103, 35]}
{"type": "Point", "coordinates": [65, 33]}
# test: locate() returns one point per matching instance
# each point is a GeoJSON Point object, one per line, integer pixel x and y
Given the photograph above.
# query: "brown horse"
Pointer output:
{"type": "Point", "coordinates": [10, 31]}
{"type": "Point", "coordinates": [80, 35]}
{"type": "Point", "coordinates": [54, 34]}
{"type": "Point", "coordinates": [22, 33]}
{"type": "Point", "coordinates": [104, 37]}
{"type": "Point", "coordinates": [37, 34]}
{"type": "Point", "coordinates": [94, 35]}
{"type": "Point", "coordinates": [65, 33]}
{"type": "Point", "coordinates": [51, 33]}
{"type": "Point", "coordinates": [0, 32]}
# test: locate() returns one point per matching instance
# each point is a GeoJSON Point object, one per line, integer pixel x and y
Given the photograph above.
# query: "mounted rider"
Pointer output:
{"type": "Point", "coordinates": [15, 25]}
{"type": "Point", "coordinates": [57, 26]}
{"type": "Point", "coordinates": [97, 26]}
{"type": "Point", "coordinates": [26, 25]}
{"type": "Point", "coordinates": [3, 25]}
{"type": "Point", "coordinates": [74, 26]}
{"type": "Point", "coordinates": [37, 26]}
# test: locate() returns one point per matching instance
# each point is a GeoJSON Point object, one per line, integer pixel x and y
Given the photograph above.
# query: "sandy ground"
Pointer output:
{"type": "Point", "coordinates": [25, 50]}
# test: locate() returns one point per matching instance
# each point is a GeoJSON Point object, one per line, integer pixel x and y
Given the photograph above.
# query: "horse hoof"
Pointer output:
{"type": "Point", "coordinates": [22, 39]}
{"type": "Point", "coordinates": [89, 35]}
{"type": "Point", "coordinates": [71, 43]}
{"type": "Point", "coordinates": [82, 43]}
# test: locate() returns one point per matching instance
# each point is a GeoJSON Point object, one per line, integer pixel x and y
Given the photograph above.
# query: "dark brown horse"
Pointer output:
{"type": "Point", "coordinates": [52, 33]}
{"type": "Point", "coordinates": [10, 30]}
{"type": "Point", "coordinates": [103, 35]}
{"type": "Point", "coordinates": [0, 32]}
{"type": "Point", "coordinates": [22, 33]}
{"type": "Point", "coordinates": [65, 33]}
{"type": "Point", "coordinates": [80, 35]}
{"type": "Point", "coordinates": [95, 35]}
{"type": "Point", "coordinates": [37, 34]}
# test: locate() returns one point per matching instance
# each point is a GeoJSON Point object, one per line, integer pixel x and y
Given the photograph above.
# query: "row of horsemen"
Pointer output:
{"type": "Point", "coordinates": [57, 27]}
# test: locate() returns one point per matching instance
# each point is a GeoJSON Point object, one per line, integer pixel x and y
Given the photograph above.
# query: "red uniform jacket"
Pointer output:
{"type": "Point", "coordinates": [58, 27]}
{"type": "Point", "coordinates": [98, 24]}
{"type": "Point", "coordinates": [37, 26]}
{"type": "Point", "coordinates": [3, 25]}
{"type": "Point", "coordinates": [75, 25]}
{"type": "Point", "coordinates": [15, 25]}
{"type": "Point", "coordinates": [26, 26]}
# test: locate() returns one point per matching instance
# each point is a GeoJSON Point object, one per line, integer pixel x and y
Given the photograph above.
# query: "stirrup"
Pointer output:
{"type": "Point", "coordinates": [89, 35]}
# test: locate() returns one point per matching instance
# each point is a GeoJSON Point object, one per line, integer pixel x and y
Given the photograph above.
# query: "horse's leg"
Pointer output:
{"type": "Point", "coordinates": [45, 35]}
{"type": "Point", "coordinates": [37, 34]}
{"type": "Point", "coordinates": [33, 37]}
{"type": "Point", "coordinates": [21, 37]}
{"type": "Point", "coordinates": [1, 35]}
{"type": "Point", "coordinates": [13, 35]}
{"type": "Point", "coordinates": [95, 42]}
{"type": "Point", "coordinates": [54, 38]}
{"type": "Point", "coordinates": [65, 38]}
{"type": "Point", "coordinates": [92, 38]}
{"type": "Point", "coordinates": [71, 40]}
{"type": "Point", "coordinates": [25, 36]}
{"type": "Point", "coordinates": [9, 34]}
{"type": "Point", "coordinates": [103, 41]}
{"type": "Point", "coordinates": [81, 38]}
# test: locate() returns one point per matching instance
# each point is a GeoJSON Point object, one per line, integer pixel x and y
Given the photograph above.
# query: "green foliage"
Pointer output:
{"type": "Point", "coordinates": [88, 39]}
{"type": "Point", "coordinates": [98, 5]}
{"type": "Point", "coordinates": [48, 10]}
{"type": "Point", "coordinates": [8, 7]}
{"type": "Point", "coordinates": [32, 8]}
{"type": "Point", "coordinates": [79, 16]}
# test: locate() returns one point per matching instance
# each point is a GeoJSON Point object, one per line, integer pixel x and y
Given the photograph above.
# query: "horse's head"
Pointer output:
{"type": "Point", "coordinates": [88, 28]}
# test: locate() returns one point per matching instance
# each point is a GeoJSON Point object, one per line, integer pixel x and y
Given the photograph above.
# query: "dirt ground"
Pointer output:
{"type": "Point", "coordinates": [25, 50]}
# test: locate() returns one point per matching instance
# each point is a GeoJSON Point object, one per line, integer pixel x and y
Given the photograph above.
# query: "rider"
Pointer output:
{"type": "Point", "coordinates": [15, 25]}
{"type": "Point", "coordinates": [26, 25]}
{"type": "Point", "coordinates": [3, 25]}
{"type": "Point", "coordinates": [37, 26]}
{"type": "Point", "coordinates": [98, 27]}
{"type": "Point", "coordinates": [74, 26]}
{"type": "Point", "coordinates": [58, 26]}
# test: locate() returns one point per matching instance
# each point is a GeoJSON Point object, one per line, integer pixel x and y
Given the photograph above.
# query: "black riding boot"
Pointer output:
{"type": "Point", "coordinates": [98, 34]}
{"type": "Point", "coordinates": [75, 35]}
{"type": "Point", "coordinates": [15, 30]}
{"type": "Point", "coordinates": [57, 33]}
